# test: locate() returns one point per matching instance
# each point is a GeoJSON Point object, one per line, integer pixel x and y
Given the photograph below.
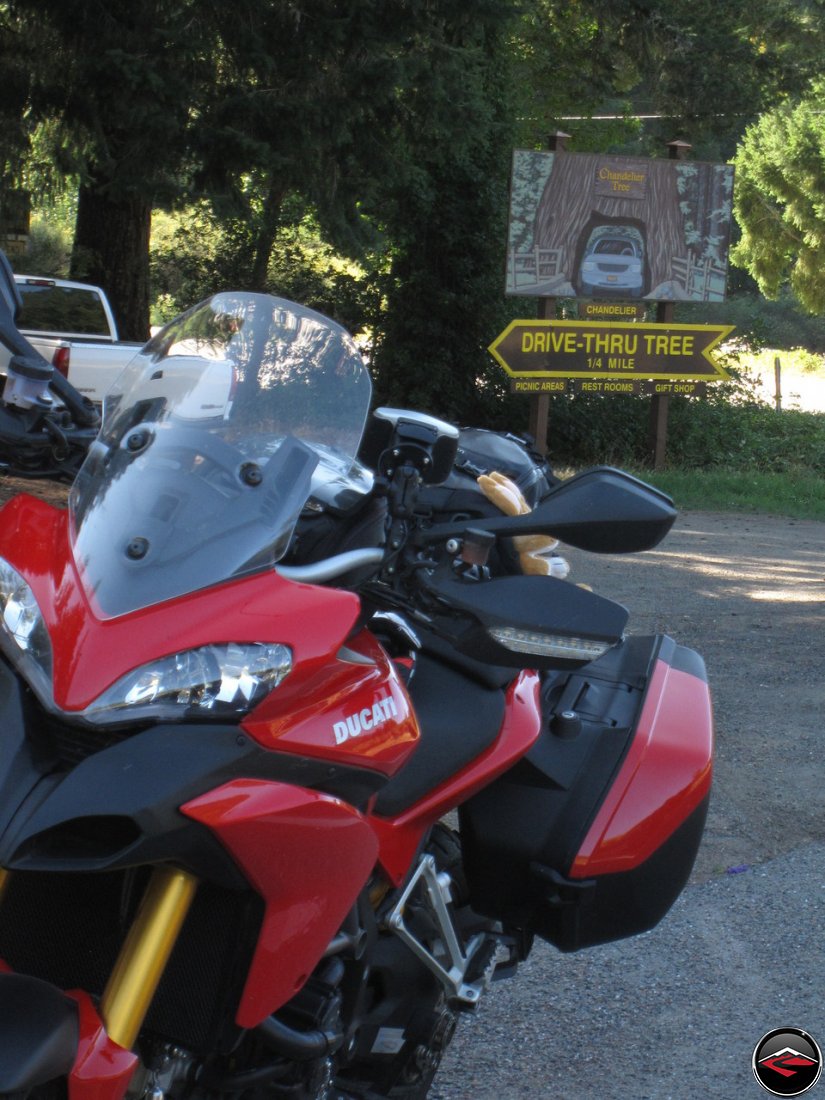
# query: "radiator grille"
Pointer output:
{"type": "Point", "coordinates": [68, 929]}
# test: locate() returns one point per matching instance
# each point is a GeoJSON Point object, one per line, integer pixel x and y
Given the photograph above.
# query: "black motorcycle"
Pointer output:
{"type": "Point", "coordinates": [46, 426]}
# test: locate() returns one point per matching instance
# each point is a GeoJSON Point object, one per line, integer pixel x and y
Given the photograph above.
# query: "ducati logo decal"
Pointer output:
{"type": "Point", "coordinates": [787, 1062]}
{"type": "Point", "coordinates": [365, 720]}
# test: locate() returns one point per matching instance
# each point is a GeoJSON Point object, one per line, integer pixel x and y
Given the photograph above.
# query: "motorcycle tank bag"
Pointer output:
{"type": "Point", "coordinates": [593, 834]}
{"type": "Point", "coordinates": [481, 452]}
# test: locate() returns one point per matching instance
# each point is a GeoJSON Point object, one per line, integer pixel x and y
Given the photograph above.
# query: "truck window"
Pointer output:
{"type": "Point", "coordinates": [69, 311]}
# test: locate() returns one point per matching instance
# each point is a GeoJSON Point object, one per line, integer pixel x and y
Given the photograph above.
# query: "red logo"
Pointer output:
{"type": "Point", "coordinates": [787, 1062]}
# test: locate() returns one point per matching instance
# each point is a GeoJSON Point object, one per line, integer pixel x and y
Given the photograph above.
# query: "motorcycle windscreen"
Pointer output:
{"type": "Point", "coordinates": [208, 447]}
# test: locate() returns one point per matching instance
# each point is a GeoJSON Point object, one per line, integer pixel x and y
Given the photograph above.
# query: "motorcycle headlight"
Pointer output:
{"type": "Point", "coordinates": [214, 681]}
{"type": "Point", "coordinates": [23, 634]}
{"type": "Point", "coordinates": [217, 681]}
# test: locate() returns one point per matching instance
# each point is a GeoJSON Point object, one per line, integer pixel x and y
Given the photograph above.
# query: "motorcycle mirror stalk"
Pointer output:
{"type": "Point", "coordinates": [28, 374]}
{"type": "Point", "coordinates": [603, 509]}
{"type": "Point", "coordinates": [406, 449]}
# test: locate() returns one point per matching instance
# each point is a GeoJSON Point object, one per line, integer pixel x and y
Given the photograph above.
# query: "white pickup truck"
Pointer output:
{"type": "Point", "coordinates": [72, 326]}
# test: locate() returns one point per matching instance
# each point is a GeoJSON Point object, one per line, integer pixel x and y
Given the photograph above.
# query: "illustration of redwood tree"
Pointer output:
{"type": "Point", "coordinates": [567, 207]}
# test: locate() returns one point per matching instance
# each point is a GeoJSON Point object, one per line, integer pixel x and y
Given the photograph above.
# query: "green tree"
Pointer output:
{"type": "Point", "coordinates": [153, 101]}
{"type": "Point", "coordinates": [194, 253]}
{"type": "Point", "coordinates": [714, 67]}
{"type": "Point", "coordinates": [15, 126]}
{"type": "Point", "coordinates": [116, 81]}
{"type": "Point", "coordinates": [705, 69]}
{"type": "Point", "coordinates": [780, 200]}
{"type": "Point", "coordinates": [443, 210]}
{"type": "Point", "coordinates": [302, 97]}
{"type": "Point", "coordinates": [445, 221]}
{"type": "Point", "coordinates": [392, 124]}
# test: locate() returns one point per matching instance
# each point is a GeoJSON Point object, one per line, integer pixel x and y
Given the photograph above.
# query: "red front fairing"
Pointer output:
{"type": "Point", "coordinates": [355, 711]}
{"type": "Point", "coordinates": [343, 704]}
{"type": "Point", "coordinates": [307, 854]}
{"type": "Point", "coordinates": [90, 653]}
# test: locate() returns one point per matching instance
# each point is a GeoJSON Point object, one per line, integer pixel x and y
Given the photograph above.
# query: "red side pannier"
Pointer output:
{"type": "Point", "coordinates": [592, 835]}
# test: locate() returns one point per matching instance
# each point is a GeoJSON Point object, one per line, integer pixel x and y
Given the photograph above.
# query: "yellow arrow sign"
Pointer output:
{"type": "Point", "coordinates": [604, 349]}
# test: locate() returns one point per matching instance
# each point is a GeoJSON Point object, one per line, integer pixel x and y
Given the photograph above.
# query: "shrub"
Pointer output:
{"type": "Point", "coordinates": [703, 433]}
{"type": "Point", "coordinates": [47, 252]}
{"type": "Point", "coordinates": [745, 437]}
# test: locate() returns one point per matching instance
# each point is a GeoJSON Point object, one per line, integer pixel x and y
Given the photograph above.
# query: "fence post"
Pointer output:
{"type": "Point", "coordinates": [777, 375]}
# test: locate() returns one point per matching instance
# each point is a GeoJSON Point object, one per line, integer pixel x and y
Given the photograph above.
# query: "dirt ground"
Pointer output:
{"type": "Point", "coordinates": [51, 491]}
{"type": "Point", "coordinates": [747, 592]}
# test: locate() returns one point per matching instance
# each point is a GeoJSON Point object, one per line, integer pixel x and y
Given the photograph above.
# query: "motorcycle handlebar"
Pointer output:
{"type": "Point", "coordinates": [329, 568]}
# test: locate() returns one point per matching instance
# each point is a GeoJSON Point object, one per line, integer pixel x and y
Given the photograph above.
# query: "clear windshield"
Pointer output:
{"type": "Point", "coordinates": [208, 445]}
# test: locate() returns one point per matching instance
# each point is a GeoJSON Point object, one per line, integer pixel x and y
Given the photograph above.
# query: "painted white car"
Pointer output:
{"type": "Point", "coordinates": [613, 263]}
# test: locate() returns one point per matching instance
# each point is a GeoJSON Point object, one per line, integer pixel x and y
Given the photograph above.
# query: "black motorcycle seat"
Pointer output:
{"type": "Point", "coordinates": [458, 719]}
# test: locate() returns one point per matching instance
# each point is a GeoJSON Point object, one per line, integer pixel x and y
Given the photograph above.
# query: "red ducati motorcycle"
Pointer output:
{"type": "Point", "coordinates": [291, 768]}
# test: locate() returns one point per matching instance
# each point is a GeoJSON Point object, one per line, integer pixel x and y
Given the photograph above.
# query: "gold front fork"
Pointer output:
{"type": "Point", "coordinates": [145, 953]}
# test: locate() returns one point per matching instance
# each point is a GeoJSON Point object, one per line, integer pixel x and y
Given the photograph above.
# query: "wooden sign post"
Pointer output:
{"type": "Point", "coordinates": [660, 403]}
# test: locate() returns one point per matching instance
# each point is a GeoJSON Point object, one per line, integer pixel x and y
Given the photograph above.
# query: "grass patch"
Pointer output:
{"type": "Point", "coordinates": [797, 495]}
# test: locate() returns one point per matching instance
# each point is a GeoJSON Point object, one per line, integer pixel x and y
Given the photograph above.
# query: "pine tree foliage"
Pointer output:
{"type": "Point", "coordinates": [780, 201]}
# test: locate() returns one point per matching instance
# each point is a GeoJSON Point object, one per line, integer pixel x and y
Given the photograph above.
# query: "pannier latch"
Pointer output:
{"type": "Point", "coordinates": [559, 891]}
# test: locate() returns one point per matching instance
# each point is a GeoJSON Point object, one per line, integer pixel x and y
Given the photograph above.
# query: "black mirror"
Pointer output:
{"type": "Point", "coordinates": [603, 510]}
{"type": "Point", "coordinates": [606, 511]}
